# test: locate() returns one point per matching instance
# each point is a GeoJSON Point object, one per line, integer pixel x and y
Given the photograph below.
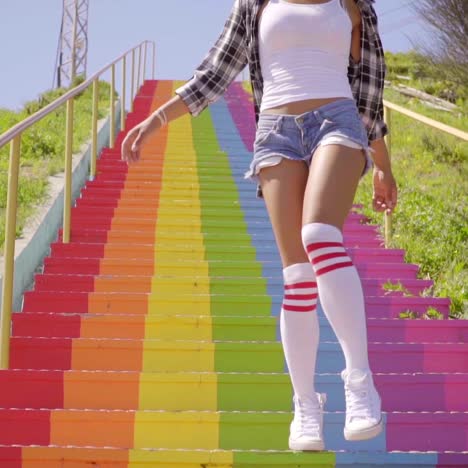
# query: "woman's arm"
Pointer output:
{"type": "Point", "coordinates": [225, 60]}
{"type": "Point", "coordinates": [385, 194]}
{"type": "Point", "coordinates": [131, 146]}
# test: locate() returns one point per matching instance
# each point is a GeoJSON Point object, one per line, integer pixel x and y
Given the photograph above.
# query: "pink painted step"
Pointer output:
{"type": "Point", "coordinates": [417, 331]}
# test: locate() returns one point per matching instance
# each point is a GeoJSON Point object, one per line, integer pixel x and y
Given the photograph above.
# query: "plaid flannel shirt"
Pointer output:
{"type": "Point", "coordinates": [237, 46]}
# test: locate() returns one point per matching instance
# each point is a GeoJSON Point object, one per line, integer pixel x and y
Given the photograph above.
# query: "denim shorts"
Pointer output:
{"type": "Point", "coordinates": [297, 137]}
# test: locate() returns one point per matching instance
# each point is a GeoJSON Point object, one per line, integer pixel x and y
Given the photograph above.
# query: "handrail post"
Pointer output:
{"type": "Point", "coordinates": [9, 266]}
{"type": "Point", "coordinates": [133, 80]}
{"type": "Point", "coordinates": [144, 60]}
{"type": "Point", "coordinates": [123, 96]}
{"type": "Point", "coordinates": [139, 68]}
{"type": "Point", "coordinates": [94, 129]}
{"type": "Point", "coordinates": [154, 60]}
{"type": "Point", "coordinates": [112, 109]}
{"type": "Point", "coordinates": [67, 191]}
{"type": "Point", "coordinates": [388, 143]}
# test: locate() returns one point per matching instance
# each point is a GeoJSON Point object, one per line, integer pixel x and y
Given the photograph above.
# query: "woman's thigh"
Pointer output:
{"type": "Point", "coordinates": [331, 186]}
{"type": "Point", "coordinates": [283, 188]}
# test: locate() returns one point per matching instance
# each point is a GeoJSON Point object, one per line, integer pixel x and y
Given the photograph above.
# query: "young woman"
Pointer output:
{"type": "Point", "coordinates": [317, 71]}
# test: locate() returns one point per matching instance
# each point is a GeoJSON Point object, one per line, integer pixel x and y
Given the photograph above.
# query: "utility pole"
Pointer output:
{"type": "Point", "coordinates": [72, 48]}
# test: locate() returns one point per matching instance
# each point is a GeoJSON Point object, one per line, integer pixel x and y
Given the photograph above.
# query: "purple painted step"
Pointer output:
{"type": "Point", "coordinates": [442, 432]}
{"type": "Point", "coordinates": [423, 392]}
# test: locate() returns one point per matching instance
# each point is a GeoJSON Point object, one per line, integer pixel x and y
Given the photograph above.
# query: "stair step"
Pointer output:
{"type": "Point", "coordinates": [53, 457]}
{"type": "Point", "coordinates": [147, 237]}
{"type": "Point", "coordinates": [86, 200]}
{"type": "Point", "coordinates": [215, 285]}
{"type": "Point", "coordinates": [181, 267]}
{"type": "Point", "coordinates": [213, 224]}
{"type": "Point", "coordinates": [204, 304]}
{"type": "Point", "coordinates": [228, 328]}
{"type": "Point", "coordinates": [225, 430]}
{"type": "Point", "coordinates": [172, 188]}
{"type": "Point", "coordinates": [208, 391]}
{"type": "Point", "coordinates": [116, 250]}
{"type": "Point", "coordinates": [143, 216]}
{"type": "Point", "coordinates": [224, 356]}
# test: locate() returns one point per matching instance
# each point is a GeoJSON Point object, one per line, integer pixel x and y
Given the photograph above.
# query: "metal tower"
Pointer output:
{"type": "Point", "coordinates": [72, 48]}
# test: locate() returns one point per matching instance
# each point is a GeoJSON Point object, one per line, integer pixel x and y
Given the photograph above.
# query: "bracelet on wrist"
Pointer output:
{"type": "Point", "coordinates": [161, 115]}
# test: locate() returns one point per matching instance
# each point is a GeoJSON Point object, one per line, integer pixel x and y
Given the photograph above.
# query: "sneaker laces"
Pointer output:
{"type": "Point", "coordinates": [359, 401]}
{"type": "Point", "coordinates": [308, 414]}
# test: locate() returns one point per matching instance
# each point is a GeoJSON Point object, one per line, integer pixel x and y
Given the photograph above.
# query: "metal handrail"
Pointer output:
{"type": "Point", "coordinates": [13, 136]}
{"type": "Point", "coordinates": [20, 127]}
{"type": "Point", "coordinates": [388, 108]}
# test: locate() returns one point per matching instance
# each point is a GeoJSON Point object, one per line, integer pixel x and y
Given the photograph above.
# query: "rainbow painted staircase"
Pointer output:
{"type": "Point", "coordinates": [152, 338]}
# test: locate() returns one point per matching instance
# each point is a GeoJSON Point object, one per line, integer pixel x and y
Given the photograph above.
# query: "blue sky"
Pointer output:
{"type": "Point", "coordinates": [183, 31]}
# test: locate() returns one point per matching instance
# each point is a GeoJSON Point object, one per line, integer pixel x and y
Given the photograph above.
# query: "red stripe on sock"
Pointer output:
{"type": "Point", "coordinates": [291, 308]}
{"type": "Point", "coordinates": [323, 245]}
{"type": "Point", "coordinates": [335, 266]}
{"type": "Point", "coordinates": [311, 284]}
{"type": "Point", "coordinates": [328, 256]}
{"type": "Point", "coordinates": [300, 297]}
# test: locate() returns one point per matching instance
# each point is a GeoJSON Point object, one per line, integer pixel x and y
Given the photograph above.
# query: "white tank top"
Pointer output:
{"type": "Point", "coordinates": [304, 52]}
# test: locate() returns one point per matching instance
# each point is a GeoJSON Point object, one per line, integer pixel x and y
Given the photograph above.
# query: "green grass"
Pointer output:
{"type": "Point", "coordinates": [42, 148]}
{"type": "Point", "coordinates": [425, 76]}
{"type": "Point", "coordinates": [431, 169]}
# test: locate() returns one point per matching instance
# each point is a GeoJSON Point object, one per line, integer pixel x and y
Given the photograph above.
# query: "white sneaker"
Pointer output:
{"type": "Point", "coordinates": [307, 425]}
{"type": "Point", "coordinates": [363, 406]}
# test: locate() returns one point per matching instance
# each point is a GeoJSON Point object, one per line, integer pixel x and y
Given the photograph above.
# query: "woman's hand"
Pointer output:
{"type": "Point", "coordinates": [131, 146]}
{"type": "Point", "coordinates": [385, 194]}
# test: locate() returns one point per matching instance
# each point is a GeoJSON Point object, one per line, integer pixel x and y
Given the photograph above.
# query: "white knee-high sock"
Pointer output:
{"type": "Point", "coordinates": [300, 328]}
{"type": "Point", "coordinates": [340, 291]}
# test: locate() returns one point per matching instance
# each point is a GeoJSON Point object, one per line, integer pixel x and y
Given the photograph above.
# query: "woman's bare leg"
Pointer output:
{"type": "Point", "coordinates": [332, 183]}
{"type": "Point", "coordinates": [331, 186]}
{"type": "Point", "coordinates": [283, 190]}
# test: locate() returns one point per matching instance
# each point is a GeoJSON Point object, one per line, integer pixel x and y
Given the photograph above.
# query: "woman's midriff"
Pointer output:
{"type": "Point", "coordinates": [301, 107]}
